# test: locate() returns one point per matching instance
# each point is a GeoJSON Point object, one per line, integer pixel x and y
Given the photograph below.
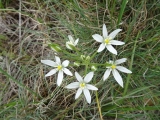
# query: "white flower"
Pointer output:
{"type": "Point", "coordinates": [71, 42]}
{"type": "Point", "coordinates": [83, 86]}
{"type": "Point", "coordinates": [114, 67]}
{"type": "Point", "coordinates": [58, 67]}
{"type": "Point", "coordinates": [107, 40]}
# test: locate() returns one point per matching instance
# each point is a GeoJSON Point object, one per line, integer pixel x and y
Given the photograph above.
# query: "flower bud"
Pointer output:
{"type": "Point", "coordinates": [77, 64]}
{"type": "Point", "coordinates": [55, 47]}
{"type": "Point", "coordinates": [93, 68]}
{"type": "Point", "coordinates": [88, 58]}
{"type": "Point", "coordinates": [83, 57]}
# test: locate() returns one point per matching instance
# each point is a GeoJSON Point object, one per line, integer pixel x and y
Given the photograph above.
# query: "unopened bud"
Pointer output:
{"type": "Point", "coordinates": [88, 58]}
{"type": "Point", "coordinates": [77, 64]}
{"type": "Point", "coordinates": [93, 68]}
{"type": "Point", "coordinates": [83, 57]}
{"type": "Point", "coordinates": [55, 47]}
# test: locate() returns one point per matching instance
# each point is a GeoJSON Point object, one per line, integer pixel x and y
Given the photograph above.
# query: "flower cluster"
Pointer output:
{"type": "Point", "coordinates": [106, 41]}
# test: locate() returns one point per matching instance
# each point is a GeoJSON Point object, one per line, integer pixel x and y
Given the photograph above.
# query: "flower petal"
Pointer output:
{"type": "Point", "coordinates": [51, 72]}
{"type": "Point", "coordinates": [67, 71]}
{"type": "Point", "coordinates": [98, 38]}
{"type": "Point", "coordinates": [101, 47]}
{"type": "Point", "coordinates": [67, 45]}
{"type": "Point", "coordinates": [65, 63]}
{"type": "Point", "coordinates": [114, 33]}
{"type": "Point", "coordinates": [58, 61]}
{"type": "Point", "coordinates": [87, 95]}
{"type": "Point", "coordinates": [79, 78]}
{"type": "Point", "coordinates": [79, 91]}
{"type": "Point", "coordinates": [117, 77]}
{"type": "Point", "coordinates": [119, 61]}
{"type": "Point", "coordinates": [107, 73]}
{"type": "Point", "coordinates": [73, 85]}
{"type": "Point", "coordinates": [91, 87]}
{"type": "Point", "coordinates": [60, 78]}
{"type": "Point", "coordinates": [104, 31]}
{"type": "Point", "coordinates": [88, 77]}
{"type": "Point", "coordinates": [123, 69]}
{"type": "Point", "coordinates": [71, 38]}
{"type": "Point", "coordinates": [76, 42]}
{"type": "Point", "coordinates": [49, 62]}
{"type": "Point", "coordinates": [116, 42]}
{"type": "Point", "coordinates": [111, 49]}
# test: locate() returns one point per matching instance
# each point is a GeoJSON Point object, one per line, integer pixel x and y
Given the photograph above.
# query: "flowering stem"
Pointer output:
{"type": "Point", "coordinates": [99, 107]}
{"type": "Point", "coordinates": [86, 67]}
{"type": "Point", "coordinates": [77, 51]}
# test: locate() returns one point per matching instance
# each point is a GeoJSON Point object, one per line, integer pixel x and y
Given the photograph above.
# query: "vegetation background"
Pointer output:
{"type": "Point", "coordinates": [26, 28]}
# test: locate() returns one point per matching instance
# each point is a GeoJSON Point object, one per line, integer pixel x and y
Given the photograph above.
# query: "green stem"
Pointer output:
{"type": "Point", "coordinates": [97, 64]}
{"type": "Point", "coordinates": [99, 107]}
{"type": "Point", "coordinates": [86, 67]}
{"type": "Point", "coordinates": [87, 62]}
{"type": "Point", "coordinates": [130, 67]}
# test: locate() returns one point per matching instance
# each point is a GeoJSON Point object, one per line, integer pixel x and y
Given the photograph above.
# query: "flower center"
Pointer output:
{"type": "Point", "coordinates": [107, 40]}
{"type": "Point", "coordinates": [113, 66]}
{"type": "Point", "coordinates": [59, 67]}
{"type": "Point", "coordinates": [82, 85]}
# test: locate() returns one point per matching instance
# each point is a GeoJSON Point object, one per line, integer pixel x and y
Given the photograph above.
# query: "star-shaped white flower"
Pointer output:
{"type": "Point", "coordinates": [107, 40]}
{"type": "Point", "coordinates": [71, 42]}
{"type": "Point", "coordinates": [83, 86]}
{"type": "Point", "coordinates": [58, 67]}
{"type": "Point", "coordinates": [114, 67]}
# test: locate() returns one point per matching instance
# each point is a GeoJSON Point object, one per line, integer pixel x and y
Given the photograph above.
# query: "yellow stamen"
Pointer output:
{"type": "Point", "coordinates": [59, 67]}
{"type": "Point", "coordinates": [107, 40]}
{"type": "Point", "coordinates": [82, 85]}
{"type": "Point", "coordinates": [113, 66]}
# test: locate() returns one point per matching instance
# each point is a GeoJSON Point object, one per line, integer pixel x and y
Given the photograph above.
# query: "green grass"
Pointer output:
{"type": "Point", "coordinates": [26, 94]}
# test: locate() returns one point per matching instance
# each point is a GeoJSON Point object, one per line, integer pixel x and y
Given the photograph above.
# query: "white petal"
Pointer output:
{"type": "Point", "coordinates": [120, 61]}
{"type": "Point", "coordinates": [65, 63]}
{"type": "Point", "coordinates": [87, 95]}
{"type": "Point", "coordinates": [79, 78]}
{"type": "Point", "coordinates": [106, 74]}
{"type": "Point", "coordinates": [98, 38]}
{"type": "Point", "coordinates": [101, 47]}
{"type": "Point", "coordinates": [71, 38]}
{"type": "Point", "coordinates": [111, 49]}
{"type": "Point", "coordinates": [114, 33]}
{"type": "Point", "coordinates": [60, 78]}
{"type": "Point", "coordinates": [91, 87]}
{"type": "Point", "coordinates": [88, 77]}
{"type": "Point", "coordinates": [79, 91]}
{"type": "Point", "coordinates": [116, 42]}
{"type": "Point", "coordinates": [104, 30]}
{"type": "Point", "coordinates": [73, 85]}
{"type": "Point", "coordinates": [58, 61]}
{"type": "Point", "coordinates": [123, 69]}
{"type": "Point", "coordinates": [49, 62]}
{"type": "Point", "coordinates": [67, 71]}
{"type": "Point", "coordinates": [51, 72]}
{"type": "Point", "coordinates": [76, 42]}
{"type": "Point", "coordinates": [117, 77]}
{"type": "Point", "coordinates": [68, 45]}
